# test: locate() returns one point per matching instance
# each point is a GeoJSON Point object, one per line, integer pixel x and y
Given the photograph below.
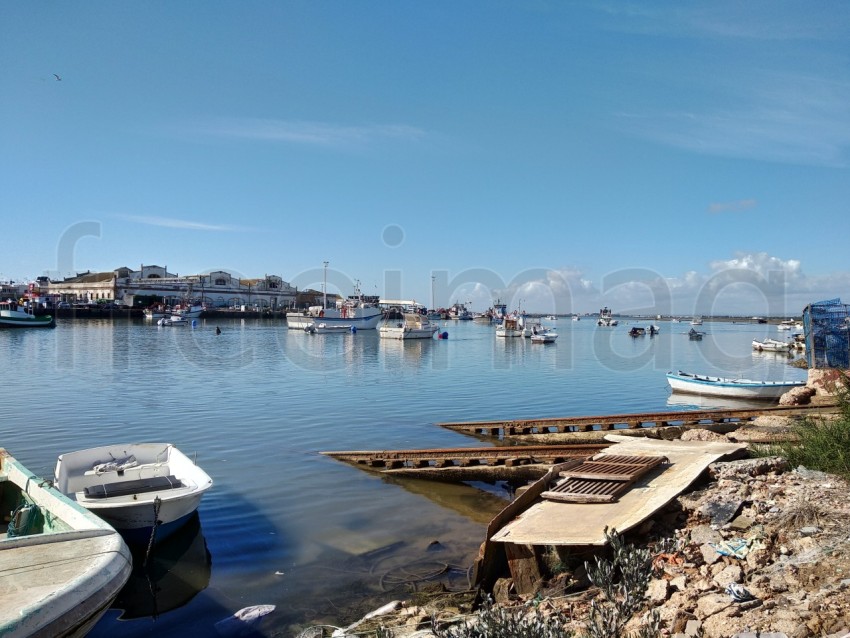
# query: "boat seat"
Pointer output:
{"type": "Point", "coordinates": [137, 486]}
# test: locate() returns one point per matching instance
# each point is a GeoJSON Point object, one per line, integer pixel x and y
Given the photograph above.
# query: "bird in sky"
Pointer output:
{"type": "Point", "coordinates": [58, 79]}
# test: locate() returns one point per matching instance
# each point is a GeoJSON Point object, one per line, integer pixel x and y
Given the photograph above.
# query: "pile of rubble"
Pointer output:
{"type": "Point", "coordinates": [761, 549]}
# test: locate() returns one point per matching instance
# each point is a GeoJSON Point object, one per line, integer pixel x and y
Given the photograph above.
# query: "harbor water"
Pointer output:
{"type": "Point", "coordinates": [322, 541]}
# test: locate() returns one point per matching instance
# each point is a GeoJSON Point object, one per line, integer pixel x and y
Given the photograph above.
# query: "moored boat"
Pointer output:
{"type": "Point", "coordinates": [412, 326]}
{"type": "Point", "coordinates": [11, 317]}
{"type": "Point", "coordinates": [60, 565]}
{"type": "Point", "coordinates": [325, 328]}
{"type": "Point", "coordinates": [544, 335]}
{"type": "Point", "coordinates": [771, 345]}
{"type": "Point", "coordinates": [606, 318]}
{"type": "Point", "coordinates": [509, 327]}
{"type": "Point", "coordinates": [141, 489]}
{"type": "Point", "coordinates": [733, 388]}
{"type": "Point", "coordinates": [358, 310]}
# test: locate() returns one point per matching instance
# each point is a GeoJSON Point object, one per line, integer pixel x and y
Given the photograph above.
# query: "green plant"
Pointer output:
{"type": "Point", "coordinates": [492, 621]}
{"type": "Point", "coordinates": [820, 443]}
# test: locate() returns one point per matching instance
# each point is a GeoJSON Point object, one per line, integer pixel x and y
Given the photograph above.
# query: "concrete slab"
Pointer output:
{"type": "Point", "coordinates": [554, 523]}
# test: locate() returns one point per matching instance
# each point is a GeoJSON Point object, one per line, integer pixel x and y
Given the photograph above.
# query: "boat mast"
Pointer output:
{"type": "Point", "coordinates": [325, 288]}
{"type": "Point", "coordinates": [433, 278]}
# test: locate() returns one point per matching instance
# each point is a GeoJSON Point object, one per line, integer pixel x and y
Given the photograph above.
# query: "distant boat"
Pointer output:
{"type": "Point", "coordinates": [606, 318]}
{"type": "Point", "coordinates": [135, 487]}
{"type": "Point", "coordinates": [576, 318]}
{"type": "Point", "coordinates": [543, 335]}
{"type": "Point", "coordinates": [771, 345]}
{"type": "Point", "coordinates": [60, 566]}
{"type": "Point", "coordinates": [412, 326]}
{"type": "Point", "coordinates": [11, 317]}
{"type": "Point", "coordinates": [637, 331]}
{"type": "Point", "coordinates": [695, 335]}
{"type": "Point", "coordinates": [696, 321]}
{"type": "Point", "coordinates": [551, 318]}
{"type": "Point", "coordinates": [509, 327]}
{"type": "Point", "coordinates": [326, 328]}
{"type": "Point", "coordinates": [733, 388]}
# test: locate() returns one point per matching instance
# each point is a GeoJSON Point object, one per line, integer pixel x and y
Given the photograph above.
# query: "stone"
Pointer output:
{"type": "Point", "coordinates": [711, 604]}
{"type": "Point", "coordinates": [709, 554]}
{"type": "Point", "coordinates": [741, 523]}
{"type": "Point", "coordinates": [722, 510]}
{"type": "Point", "coordinates": [809, 531]}
{"type": "Point", "coordinates": [705, 534]}
{"type": "Point", "coordinates": [657, 590]}
{"type": "Point", "coordinates": [730, 574]}
{"type": "Point", "coordinates": [679, 583]}
{"type": "Point", "coordinates": [693, 628]}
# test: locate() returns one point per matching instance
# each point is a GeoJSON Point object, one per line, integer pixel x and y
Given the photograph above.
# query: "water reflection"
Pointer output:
{"type": "Point", "coordinates": [176, 571]}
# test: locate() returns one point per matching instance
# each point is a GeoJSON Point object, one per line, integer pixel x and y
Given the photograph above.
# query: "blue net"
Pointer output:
{"type": "Point", "coordinates": [827, 326]}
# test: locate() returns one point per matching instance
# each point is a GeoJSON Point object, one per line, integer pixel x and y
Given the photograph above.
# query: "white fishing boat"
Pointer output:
{"type": "Point", "coordinates": [771, 345]}
{"type": "Point", "coordinates": [606, 318]}
{"type": "Point", "coordinates": [696, 321]}
{"type": "Point", "coordinates": [733, 388]}
{"type": "Point", "coordinates": [576, 318]}
{"type": "Point", "coordinates": [60, 565]}
{"type": "Point", "coordinates": [509, 327]}
{"type": "Point", "coordinates": [325, 328]}
{"type": "Point", "coordinates": [544, 335]}
{"type": "Point", "coordinates": [412, 326]}
{"type": "Point", "coordinates": [11, 317]}
{"type": "Point", "coordinates": [192, 311]}
{"type": "Point", "coordinates": [357, 310]}
{"type": "Point", "coordinates": [141, 489]}
{"type": "Point", "coordinates": [530, 325]}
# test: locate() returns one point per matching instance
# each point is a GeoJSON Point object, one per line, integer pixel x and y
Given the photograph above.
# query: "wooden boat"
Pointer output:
{"type": "Point", "coordinates": [734, 388]}
{"type": "Point", "coordinates": [11, 317]}
{"type": "Point", "coordinates": [60, 565]}
{"type": "Point", "coordinates": [771, 345]}
{"type": "Point", "coordinates": [141, 489]}
{"type": "Point", "coordinates": [413, 326]}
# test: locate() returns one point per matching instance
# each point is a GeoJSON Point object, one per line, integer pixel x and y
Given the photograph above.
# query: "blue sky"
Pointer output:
{"type": "Point", "coordinates": [671, 156]}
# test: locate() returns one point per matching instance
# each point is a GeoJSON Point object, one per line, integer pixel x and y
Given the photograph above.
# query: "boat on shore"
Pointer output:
{"type": "Point", "coordinates": [11, 317]}
{"type": "Point", "coordinates": [60, 565]}
{"type": "Point", "coordinates": [143, 490]}
{"type": "Point", "coordinates": [733, 388]}
{"type": "Point", "coordinates": [412, 326]}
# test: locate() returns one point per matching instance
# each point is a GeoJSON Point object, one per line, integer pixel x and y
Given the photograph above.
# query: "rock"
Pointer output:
{"type": "Point", "coordinates": [709, 554]}
{"type": "Point", "coordinates": [730, 574]}
{"type": "Point", "coordinates": [797, 396]}
{"type": "Point", "coordinates": [748, 467]}
{"type": "Point", "coordinates": [705, 534]}
{"type": "Point", "coordinates": [809, 531]}
{"type": "Point", "coordinates": [702, 435]}
{"type": "Point", "coordinates": [711, 604]}
{"type": "Point", "coordinates": [721, 511]}
{"type": "Point", "coordinates": [741, 523]}
{"type": "Point", "coordinates": [657, 590]}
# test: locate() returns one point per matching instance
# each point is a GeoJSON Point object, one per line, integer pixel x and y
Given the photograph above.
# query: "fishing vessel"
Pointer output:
{"type": "Point", "coordinates": [12, 317]}
{"type": "Point", "coordinates": [412, 326]}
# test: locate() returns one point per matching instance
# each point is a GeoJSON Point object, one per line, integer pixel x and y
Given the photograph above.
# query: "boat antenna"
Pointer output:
{"type": "Point", "coordinates": [325, 288]}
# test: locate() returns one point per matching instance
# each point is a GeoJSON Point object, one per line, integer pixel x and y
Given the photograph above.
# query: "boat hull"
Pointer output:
{"type": "Point", "coordinates": [406, 333]}
{"type": "Point", "coordinates": [161, 489]}
{"type": "Point", "coordinates": [298, 321]}
{"type": "Point", "coordinates": [730, 388]}
{"type": "Point", "coordinates": [57, 581]}
{"type": "Point", "coordinates": [28, 321]}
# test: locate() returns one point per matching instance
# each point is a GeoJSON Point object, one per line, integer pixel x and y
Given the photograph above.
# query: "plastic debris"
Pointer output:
{"type": "Point", "coordinates": [243, 621]}
{"type": "Point", "coordinates": [734, 547]}
{"type": "Point", "coordinates": [739, 593]}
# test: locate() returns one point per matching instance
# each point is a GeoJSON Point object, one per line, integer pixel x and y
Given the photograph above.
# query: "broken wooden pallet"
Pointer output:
{"type": "Point", "coordinates": [601, 480]}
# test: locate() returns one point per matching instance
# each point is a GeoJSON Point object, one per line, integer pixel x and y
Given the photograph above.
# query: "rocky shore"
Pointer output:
{"type": "Point", "coordinates": [757, 549]}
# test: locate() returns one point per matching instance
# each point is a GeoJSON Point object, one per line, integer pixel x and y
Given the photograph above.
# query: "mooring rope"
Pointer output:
{"type": "Point", "coordinates": [156, 522]}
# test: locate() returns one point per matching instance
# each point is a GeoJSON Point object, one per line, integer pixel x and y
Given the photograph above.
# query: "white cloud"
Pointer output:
{"type": "Point", "coordinates": [310, 133]}
{"type": "Point", "coordinates": [170, 222]}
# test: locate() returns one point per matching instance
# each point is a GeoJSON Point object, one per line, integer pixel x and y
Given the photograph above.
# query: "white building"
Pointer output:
{"type": "Point", "coordinates": [217, 289]}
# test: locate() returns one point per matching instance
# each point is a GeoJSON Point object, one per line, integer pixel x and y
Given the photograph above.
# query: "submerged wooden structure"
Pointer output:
{"type": "Point", "coordinates": [471, 463]}
{"type": "Point", "coordinates": [613, 422]}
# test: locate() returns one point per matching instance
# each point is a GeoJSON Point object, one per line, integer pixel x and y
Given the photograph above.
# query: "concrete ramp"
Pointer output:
{"type": "Point", "coordinates": [549, 522]}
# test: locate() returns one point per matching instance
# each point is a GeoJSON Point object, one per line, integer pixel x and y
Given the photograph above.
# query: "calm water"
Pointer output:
{"type": "Point", "coordinates": [322, 541]}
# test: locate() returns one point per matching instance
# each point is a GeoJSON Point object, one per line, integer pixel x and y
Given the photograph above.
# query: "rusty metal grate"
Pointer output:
{"type": "Point", "coordinates": [601, 480]}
